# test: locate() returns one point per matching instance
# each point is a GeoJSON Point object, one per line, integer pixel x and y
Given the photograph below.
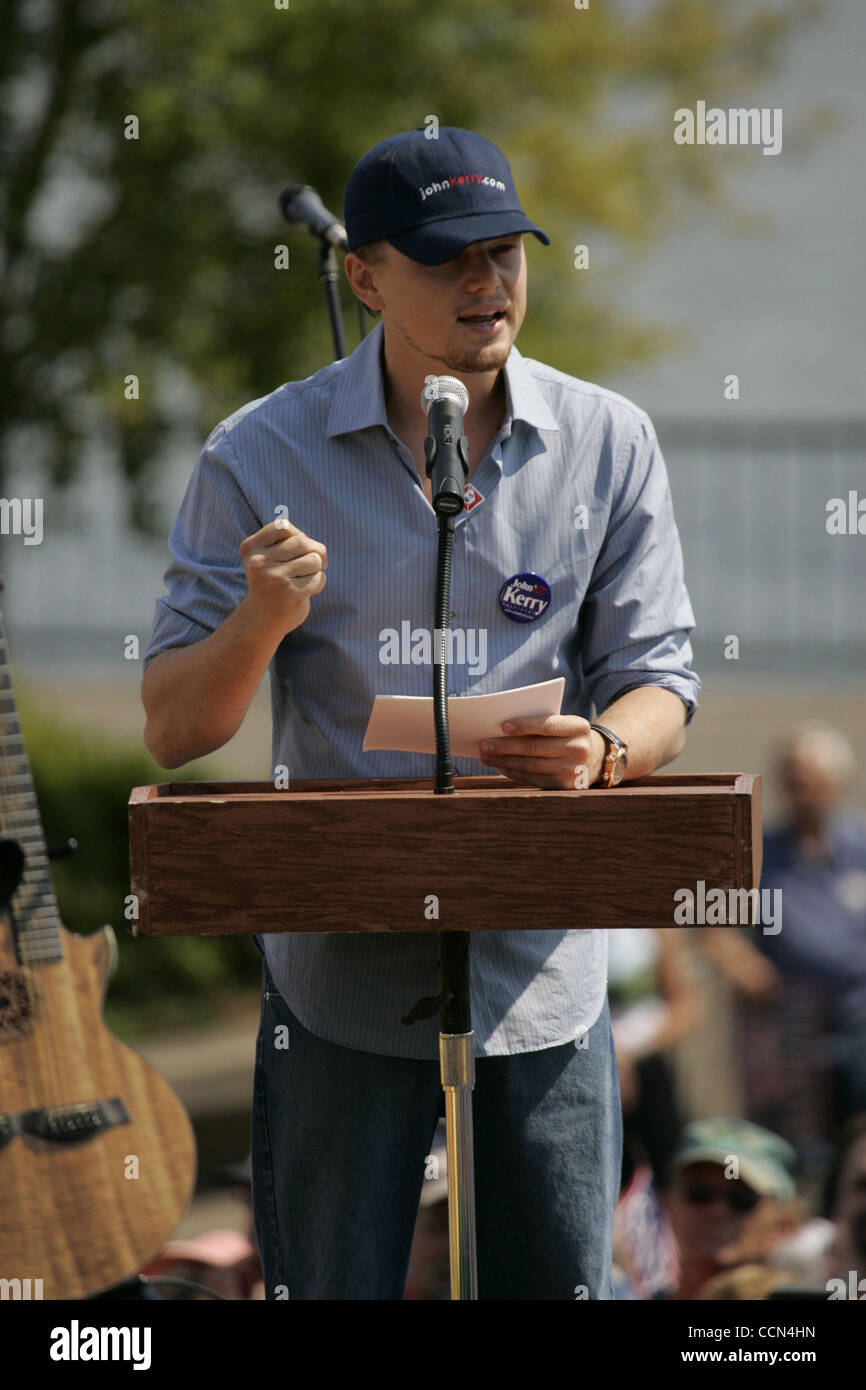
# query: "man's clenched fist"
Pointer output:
{"type": "Point", "coordinates": [284, 568]}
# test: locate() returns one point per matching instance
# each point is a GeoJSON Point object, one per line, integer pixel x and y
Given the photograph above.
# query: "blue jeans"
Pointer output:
{"type": "Point", "coordinates": [339, 1141]}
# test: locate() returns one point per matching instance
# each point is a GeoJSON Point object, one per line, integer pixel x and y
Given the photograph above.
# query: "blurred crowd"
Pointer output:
{"type": "Point", "coordinates": [769, 1201]}
{"type": "Point", "coordinates": [772, 1198]}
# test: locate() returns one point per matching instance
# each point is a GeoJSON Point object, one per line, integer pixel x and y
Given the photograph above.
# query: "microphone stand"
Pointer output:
{"type": "Point", "coordinates": [456, 1037]}
{"type": "Point", "coordinates": [329, 277]}
{"type": "Point", "coordinates": [301, 206]}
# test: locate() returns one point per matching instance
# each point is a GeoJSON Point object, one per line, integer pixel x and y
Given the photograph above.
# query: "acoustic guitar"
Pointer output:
{"type": "Point", "coordinates": [97, 1154]}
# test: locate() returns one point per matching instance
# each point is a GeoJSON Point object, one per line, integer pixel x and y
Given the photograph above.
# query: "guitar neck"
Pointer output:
{"type": "Point", "coordinates": [34, 914]}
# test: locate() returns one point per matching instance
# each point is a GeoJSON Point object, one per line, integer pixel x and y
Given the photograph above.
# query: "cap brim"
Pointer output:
{"type": "Point", "coordinates": [754, 1175]}
{"type": "Point", "coordinates": [434, 243]}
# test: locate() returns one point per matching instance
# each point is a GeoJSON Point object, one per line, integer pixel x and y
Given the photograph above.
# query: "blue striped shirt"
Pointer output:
{"type": "Point", "coordinates": [574, 489]}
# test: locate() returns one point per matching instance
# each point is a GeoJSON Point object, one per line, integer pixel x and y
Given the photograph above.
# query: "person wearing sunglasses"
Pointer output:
{"type": "Point", "coordinates": [730, 1189]}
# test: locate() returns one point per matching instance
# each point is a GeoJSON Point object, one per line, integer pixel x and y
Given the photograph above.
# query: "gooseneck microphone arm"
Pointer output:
{"type": "Point", "coordinates": [444, 776]}
{"type": "Point", "coordinates": [445, 400]}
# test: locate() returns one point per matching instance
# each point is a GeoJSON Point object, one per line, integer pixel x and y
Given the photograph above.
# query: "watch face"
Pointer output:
{"type": "Point", "coordinates": [617, 772]}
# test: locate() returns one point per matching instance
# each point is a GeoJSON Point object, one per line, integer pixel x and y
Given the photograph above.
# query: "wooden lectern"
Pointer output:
{"type": "Point", "coordinates": [366, 855]}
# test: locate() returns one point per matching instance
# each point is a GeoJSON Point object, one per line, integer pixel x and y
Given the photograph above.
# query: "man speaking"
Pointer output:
{"type": "Point", "coordinates": [306, 533]}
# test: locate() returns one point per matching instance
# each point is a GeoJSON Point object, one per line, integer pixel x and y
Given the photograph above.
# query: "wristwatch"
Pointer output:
{"type": "Point", "coordinates": [616, 759]}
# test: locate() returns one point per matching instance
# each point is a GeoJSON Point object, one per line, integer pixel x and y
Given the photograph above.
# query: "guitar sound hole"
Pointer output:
{"type": "Point", "coordinates": [16, 1005]}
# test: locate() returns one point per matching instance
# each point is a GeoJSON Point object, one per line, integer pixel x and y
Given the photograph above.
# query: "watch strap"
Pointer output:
{"type": "Point", "coordinates": [608, 733]}
{"type": "Point", "coordinates": [614, 742]}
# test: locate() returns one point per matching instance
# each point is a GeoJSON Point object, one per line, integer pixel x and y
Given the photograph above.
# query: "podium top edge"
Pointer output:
{"type": "Point", "coordinates": [714, 783]}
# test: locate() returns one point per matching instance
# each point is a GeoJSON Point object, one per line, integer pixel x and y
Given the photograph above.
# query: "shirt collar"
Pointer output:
{"type": "Point", "coordinates": [359, 399]}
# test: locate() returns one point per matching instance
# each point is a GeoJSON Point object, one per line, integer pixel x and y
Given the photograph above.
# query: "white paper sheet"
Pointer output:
{"type": "Point", "coordinates": [406, 721]}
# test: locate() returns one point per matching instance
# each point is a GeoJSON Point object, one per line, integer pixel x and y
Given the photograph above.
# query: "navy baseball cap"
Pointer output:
{"type": "Point", "coordinates": [431, 198]}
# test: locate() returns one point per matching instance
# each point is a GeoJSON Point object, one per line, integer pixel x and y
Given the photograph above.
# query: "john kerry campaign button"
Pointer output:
{"type": "Point", "coordinates": [524, 597]}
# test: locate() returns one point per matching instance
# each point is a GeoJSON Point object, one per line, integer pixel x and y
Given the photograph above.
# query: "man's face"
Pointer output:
{"type": "Point", "coordinates": [702, 1206]}
{"type": "Point", "coordinates": [434, 309]}
{"type": "Point", "coordinates": [810, 788]}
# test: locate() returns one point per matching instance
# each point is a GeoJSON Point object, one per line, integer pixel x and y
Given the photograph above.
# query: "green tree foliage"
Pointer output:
{"type": "Point", "coordinates": [155, 256]}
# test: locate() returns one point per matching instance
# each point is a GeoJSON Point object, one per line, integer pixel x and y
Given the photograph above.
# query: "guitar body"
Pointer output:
{"type": "Point", "coordinates": [87, 1206]}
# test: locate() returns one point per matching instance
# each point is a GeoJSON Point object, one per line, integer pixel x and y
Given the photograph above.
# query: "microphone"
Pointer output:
{"type": "Point", "coordinates": [302, 206]}
{"type": "Point", "coordinates": [445, 401]}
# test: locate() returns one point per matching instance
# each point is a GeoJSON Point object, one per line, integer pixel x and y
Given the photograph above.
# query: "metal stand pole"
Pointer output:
{"type": "Point", "coordinates": [457, 1064]}
{"type": "Point", "coordinates": [329, 277]}
{"type": "Point", "coordinates": [457, 1071]}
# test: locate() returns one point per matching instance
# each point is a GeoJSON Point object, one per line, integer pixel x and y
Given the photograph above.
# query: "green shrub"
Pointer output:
{"type": "Point", "coordinates": [83, 782]}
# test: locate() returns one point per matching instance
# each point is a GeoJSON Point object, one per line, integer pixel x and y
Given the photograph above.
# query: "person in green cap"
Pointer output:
{"type": "Point", "coordinates": [729, 1182]}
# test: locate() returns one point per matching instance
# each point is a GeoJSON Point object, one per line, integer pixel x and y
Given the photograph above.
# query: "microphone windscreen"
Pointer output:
{"type": "Point", "coordinates": [437, 388]}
